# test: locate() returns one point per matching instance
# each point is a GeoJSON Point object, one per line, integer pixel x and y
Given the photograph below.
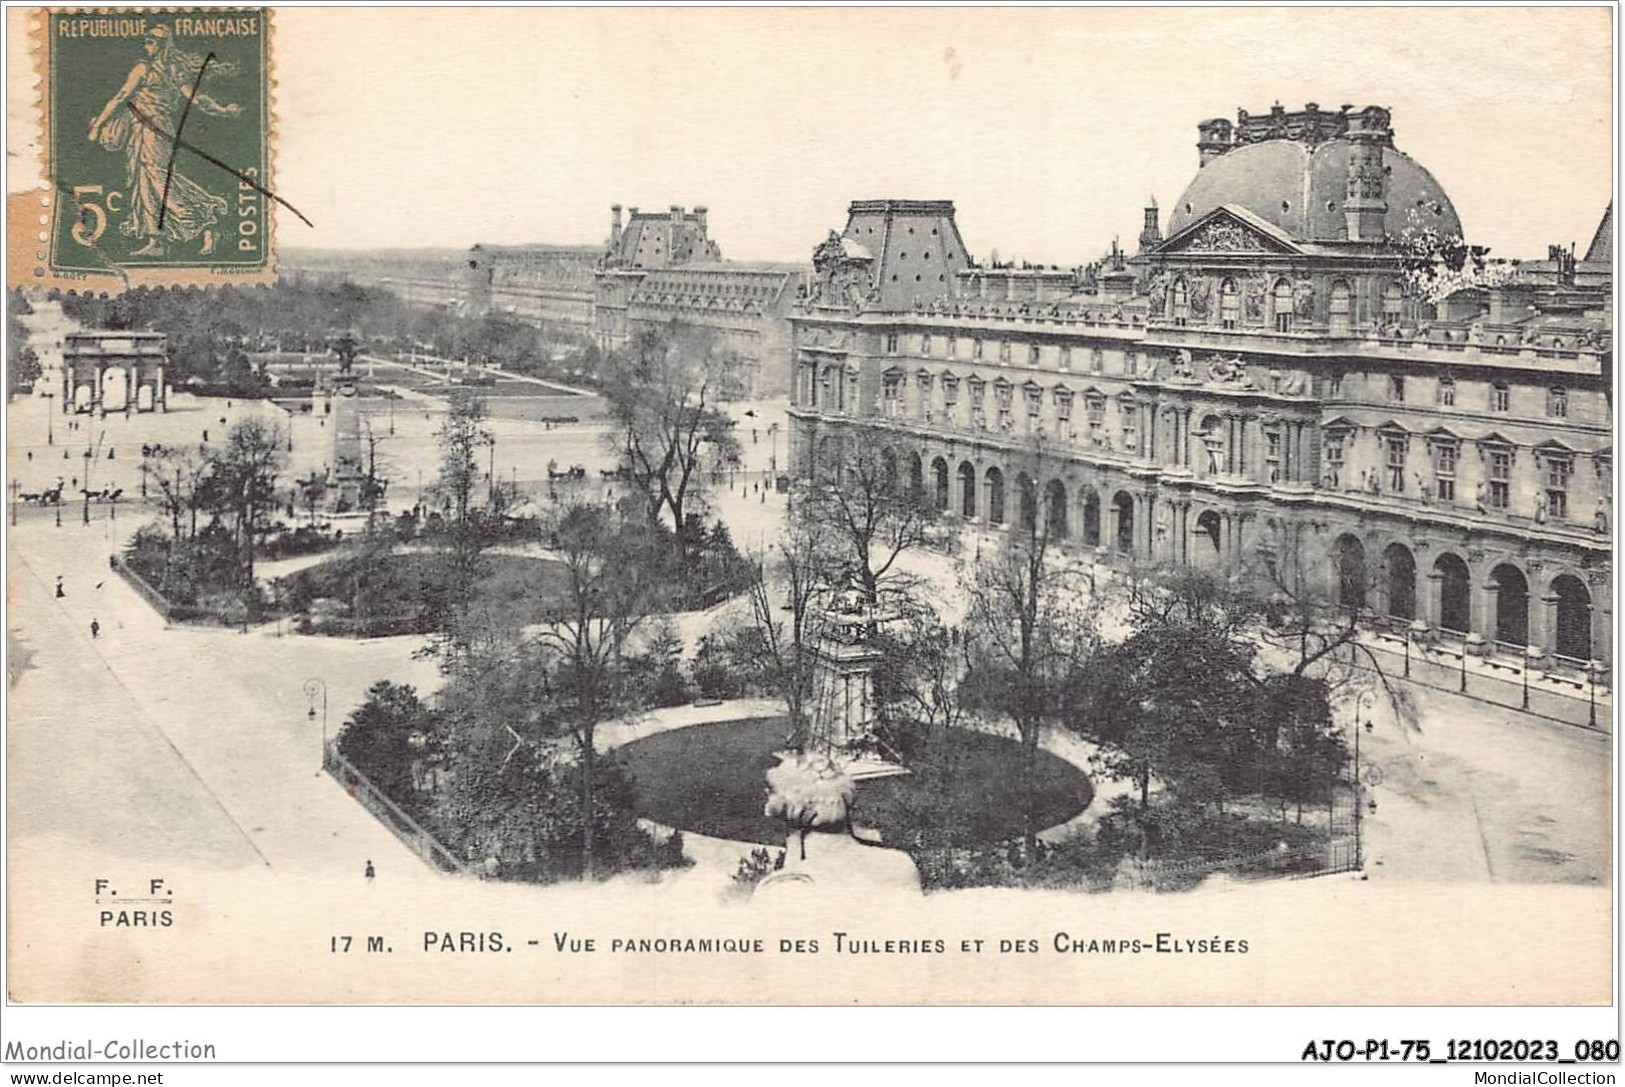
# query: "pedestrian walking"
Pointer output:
{"type": "Point", "coordinates": [369, 872]}
{"type": "Point", "coordinates": [95, 629]}
{"type": "Point", "coordinates": [30, 454]}
{"type": "Point", "coordinates": [59, 593]}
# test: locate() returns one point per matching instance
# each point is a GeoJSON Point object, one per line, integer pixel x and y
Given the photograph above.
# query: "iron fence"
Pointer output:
{"type": "Point", "coordinates": [387, 812]}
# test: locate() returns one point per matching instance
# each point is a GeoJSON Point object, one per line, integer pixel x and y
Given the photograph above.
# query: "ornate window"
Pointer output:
{"type": "Point", "coordinates": [1181, 299]}
{"type": "Point", "coordinates": [1445, 456]}
{"type": "Point", "coordinates": [1094, 406]}
{"type": "Point", "coordinates": [1393, 305]}
{"type": "Point", "coordinates": [1559, 470]}
{"type": "Point", "coordinates": [1272, 453]}
{"type": "Point", "coordinates": [1002, 392]}
{"type": "Point", "coordinates": [891, 343]}
{"type": "Point", "coordinates": [1334, 386]}
{"type": "Point", "coordinates": [1331, 456]}
{"type": "Point", "coordinates": [1338, 310]}
{"type": "Point", "coordinates": [891, 393]}
{"type": "Point", "coordinates": [1129, 412]}
{"type": "Point", "coordinates": [1033, 354]}
{"type": "Point", "coordinates": [1500, 396]}
{"type": "Point", "coordinates": [1395, 447]}
{"type": "Point", "coordinates": [1229, 304]}
{"type": "Point", "coordinates": [1447, 391]}
{"type": "Point", "coordinates": [978, 401]}
{"type": "Point", "coordinates": [1499, 458]}
{"type": "Point", "coordinates": [1035, 400]}
{"type": "Point", "coordinates": [1283, 306]}
{"type": "Point", "coordinates": [1063, 405]}
{"type": "Point", "coordinates": [922, 382]}
{"type": "Point", "coordinates": [950, 393]}
{"type": "Point", "coordinates": [1557, 402]}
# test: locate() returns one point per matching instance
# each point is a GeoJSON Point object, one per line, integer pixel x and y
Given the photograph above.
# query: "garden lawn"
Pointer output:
{"type": "Point", "coordinates": [394, 592]}
{"type": "Point", "coordinates": [711, 779]}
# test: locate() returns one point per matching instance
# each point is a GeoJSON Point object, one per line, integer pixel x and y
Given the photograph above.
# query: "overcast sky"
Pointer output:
{"type": "Point", "coordinates": [1048, 128]}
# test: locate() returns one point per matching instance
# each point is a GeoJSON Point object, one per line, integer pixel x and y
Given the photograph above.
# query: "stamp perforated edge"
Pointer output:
{"type": "Point", "coordinates": [30, 214]}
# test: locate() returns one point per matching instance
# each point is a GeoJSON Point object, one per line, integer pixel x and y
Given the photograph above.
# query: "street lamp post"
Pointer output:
{"type": "Point", "coordinates": [50, 413]}
{"type": "Point", "coordinates": [1526, 677]}
{"type": "Point", "coordinates": [314, 687]}
{"type": "Point", "coordinates": [1591, 691]}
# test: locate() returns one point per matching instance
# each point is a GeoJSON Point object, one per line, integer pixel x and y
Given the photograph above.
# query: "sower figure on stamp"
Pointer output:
{"type": "Point", "coordinates": [142, 120]}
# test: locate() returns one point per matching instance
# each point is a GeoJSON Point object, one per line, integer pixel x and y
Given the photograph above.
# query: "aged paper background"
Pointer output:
{"type": "Point", "coordinates": [389, 133]}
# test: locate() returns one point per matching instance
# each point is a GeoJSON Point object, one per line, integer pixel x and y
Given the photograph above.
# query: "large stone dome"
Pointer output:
{"type": "Point", "coordinates": [1301, 187]}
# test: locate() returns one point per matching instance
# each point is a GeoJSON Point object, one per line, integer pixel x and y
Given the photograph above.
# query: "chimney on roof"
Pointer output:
{"type": "Point", "coordinates": [615, 224]}
{"type": "Point", "coordinates": [1151, 232]}
{"type": "Point", "coordinates": [1213, 138]}
{"type": "Point", "coordinates": [1366, 208]}
{"type": "Point", "coordinates": [676, 215]}
{"type": "Point", "coordinates": [699, 216]}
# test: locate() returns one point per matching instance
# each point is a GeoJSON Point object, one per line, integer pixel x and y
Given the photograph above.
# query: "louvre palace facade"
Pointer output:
{"type": "Point", "coordinates": [1293, 377]}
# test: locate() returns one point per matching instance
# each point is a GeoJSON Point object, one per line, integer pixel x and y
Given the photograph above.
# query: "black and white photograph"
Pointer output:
{"type": "Point", "coordinates": [1092, 507]}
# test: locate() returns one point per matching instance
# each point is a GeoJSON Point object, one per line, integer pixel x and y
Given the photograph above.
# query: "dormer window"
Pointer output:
{"type": "Point", "coordinates": [1181, 299]}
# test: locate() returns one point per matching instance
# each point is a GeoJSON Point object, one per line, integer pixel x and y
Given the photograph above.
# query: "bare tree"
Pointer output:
{"type": "Point", "coordinates": [1027, 634]}
{"type": "Point", "coordinates": [242, 483]}
{"type": "Point", "coordinates": [180, 475]}
{"type": "Point", "coordinates": [604, 594]}
{"type": "Point", "coordinates": [668, 430]}
{"type": "Point", "coordinates": [795, 567]}
{"type": "Point", "coordinates": [876, 516]}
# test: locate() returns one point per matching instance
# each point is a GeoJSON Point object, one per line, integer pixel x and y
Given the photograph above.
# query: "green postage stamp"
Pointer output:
{"type": "Point", "coordinates": [158, 127]}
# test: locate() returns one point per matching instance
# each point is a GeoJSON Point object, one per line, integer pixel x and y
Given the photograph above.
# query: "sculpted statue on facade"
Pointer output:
{"type": "Point", "coordinates": [1303, 299]}
{"type": "Point", "coordinates": [1232, 371]}
{"type": "Point", "coordinates": [1182, 365]}
{"type": "Point", "coordinates": [1253, 291]}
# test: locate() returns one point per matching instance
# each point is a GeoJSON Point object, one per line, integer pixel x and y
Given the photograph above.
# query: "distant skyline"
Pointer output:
{"type": "Point", "coordinates": [1048, 128]}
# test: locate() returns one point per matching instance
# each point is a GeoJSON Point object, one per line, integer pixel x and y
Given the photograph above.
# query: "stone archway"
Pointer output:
{"type": "Point", "coordinates": [1055, 522]}
{"type": "Point", "coordinates": [916, 477]}
{"type": "Point", "coordinates": [1399, 569]}
{"type": "Point", "coordinates": [1350, 571]}
{"type": "Point", "coordinates": [995, 496]}
{"type": "Point", "coordinates": [115, 388]}
{"type": "Point", "coordinates": [1091, 515]}
{"type": "Point", "coordinates": [939, 483]}
{"type": "Point", "coordinates": [1511, 605]}
{"type": "Point", "coordinates": [1572, 634]}
{"type": "Point", "coordinates": [1123, 503]}
{"type": "Point", "coordinates": [967, 490]}
{"type": "Point", "coordinates": [1026, 502]}
{"type": "Point", "coordinates": [1455, 593]}
{"type": "Point", "coordinates": [1210, 528]}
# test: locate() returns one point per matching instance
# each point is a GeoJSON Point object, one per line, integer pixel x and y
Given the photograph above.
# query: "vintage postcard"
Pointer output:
{"type": "Point", "coordinates": [798, 507]}
{"type": "Point", "coordinates": [156, 150]}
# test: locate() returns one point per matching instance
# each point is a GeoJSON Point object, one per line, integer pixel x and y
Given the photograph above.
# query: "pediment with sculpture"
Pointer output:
{"type": "Point", "coordinates": [1225, 231]}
